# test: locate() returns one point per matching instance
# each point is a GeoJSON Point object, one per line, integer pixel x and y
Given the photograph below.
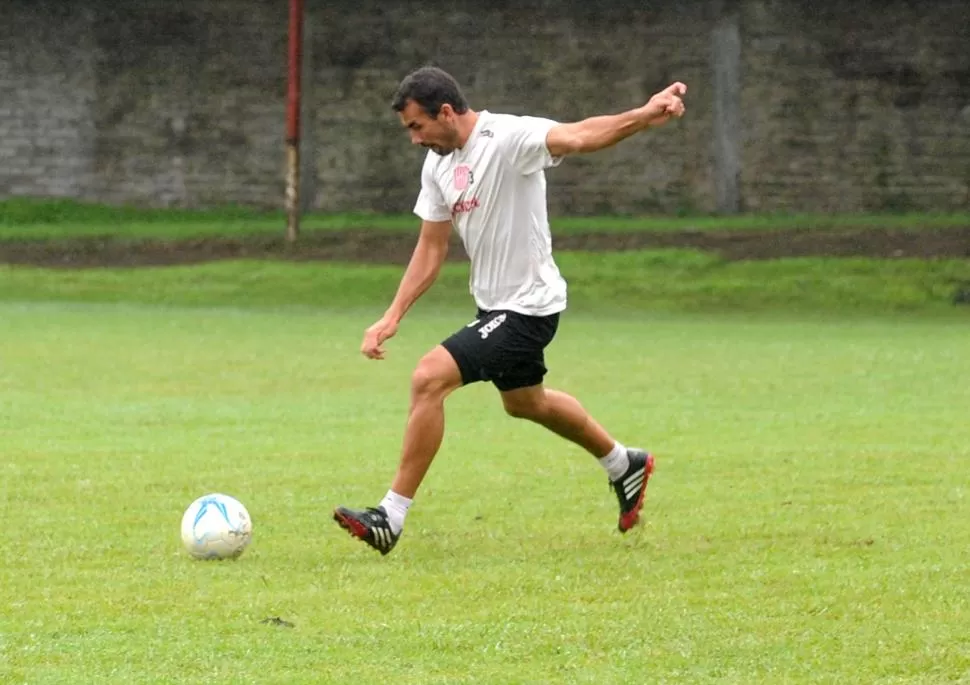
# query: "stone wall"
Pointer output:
{"type": "Point", "coordinates": [842, 106]}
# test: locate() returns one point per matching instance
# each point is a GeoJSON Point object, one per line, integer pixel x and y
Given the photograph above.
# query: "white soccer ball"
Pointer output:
{"type": "Point", "coordinates": [216, 526]}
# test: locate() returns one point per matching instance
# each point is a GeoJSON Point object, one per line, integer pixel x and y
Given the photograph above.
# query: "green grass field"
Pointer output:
{"type": "Point", "coordinates": [43, 219]}
{"type": "Point", "coordinates": [628, 284]}
{"type": "Point", "coordinates": [807, 522]}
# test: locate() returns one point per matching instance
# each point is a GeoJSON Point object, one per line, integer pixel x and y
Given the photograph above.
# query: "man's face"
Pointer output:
{"type": "Point", "coordinates": [436, 133]}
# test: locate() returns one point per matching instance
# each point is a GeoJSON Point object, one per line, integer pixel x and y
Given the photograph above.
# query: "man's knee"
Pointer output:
{"type": "Point", "coordinates": [528, 403]}
{"type": "Point", "coordinates": [436, 375]}
{"type": "Point", "coordinates": [425, 382]}
{"type": "Point", "coordinates": [523, 411]}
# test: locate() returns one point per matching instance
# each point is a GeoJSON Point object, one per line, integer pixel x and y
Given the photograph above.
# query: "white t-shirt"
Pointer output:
{"type": "Point", "coordinates": [494, 192]}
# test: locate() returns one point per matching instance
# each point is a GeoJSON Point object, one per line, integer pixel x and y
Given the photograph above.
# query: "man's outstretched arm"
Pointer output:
{"type": "Point", "coordinates": [600, 132]}
{"type": "Point", "coordinates": [426, 260]}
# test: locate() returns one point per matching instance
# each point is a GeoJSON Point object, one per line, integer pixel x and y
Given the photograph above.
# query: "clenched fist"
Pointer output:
{"type": "Point", "coordinates": [374, 337]}
{"type": "Point", "coordinates": [666, 104]}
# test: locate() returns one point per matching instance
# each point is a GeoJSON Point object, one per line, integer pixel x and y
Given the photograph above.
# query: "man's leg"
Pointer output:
{"type": "Point", "coordinates": [628, 469]}
{"type": "Point", "coordinates": [560, 413]}
{"type": "Point", "coordinates": [435, 377]}
{"type": "Point", "coordinates": [517, 368]}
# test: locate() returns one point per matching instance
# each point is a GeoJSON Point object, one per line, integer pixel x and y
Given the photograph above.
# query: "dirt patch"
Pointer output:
{"type": "Point", "coordinates": [380, 247]}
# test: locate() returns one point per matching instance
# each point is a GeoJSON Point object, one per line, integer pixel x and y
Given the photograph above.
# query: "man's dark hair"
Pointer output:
{"type": "Point", "coordinates": [431, 88]}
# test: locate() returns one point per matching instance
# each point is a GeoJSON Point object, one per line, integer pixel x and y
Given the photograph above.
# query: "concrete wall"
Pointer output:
{"type": "Point", "coordinates": [829, 105]}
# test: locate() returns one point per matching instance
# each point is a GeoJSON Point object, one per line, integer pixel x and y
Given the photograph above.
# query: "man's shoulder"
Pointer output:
{"type": "Point", "coordinates": [502, 122]}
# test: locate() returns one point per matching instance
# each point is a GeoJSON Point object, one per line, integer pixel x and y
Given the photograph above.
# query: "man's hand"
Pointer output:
{"type": "Point", "coordinates": [666, 104]}
{"type": "Point", "coordinates": [374, 337]}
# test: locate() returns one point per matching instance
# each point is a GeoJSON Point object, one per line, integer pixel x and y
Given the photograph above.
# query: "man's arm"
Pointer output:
{"type": "Point", "coordinates": [423, 268]}
{"type": "Point", "coordinates": [600, 132]}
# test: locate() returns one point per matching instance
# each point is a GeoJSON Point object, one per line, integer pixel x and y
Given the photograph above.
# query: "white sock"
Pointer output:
{"type": "Point", "coordinates": [396, 507]}
{"type": "Point", "coordinates": [616, 462]}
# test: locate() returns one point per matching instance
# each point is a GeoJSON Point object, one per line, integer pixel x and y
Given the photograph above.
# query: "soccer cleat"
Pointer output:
{"type": "Point", "coordinates": [631, 487]}
{"type": "Point", "coordinates": [370, 525]}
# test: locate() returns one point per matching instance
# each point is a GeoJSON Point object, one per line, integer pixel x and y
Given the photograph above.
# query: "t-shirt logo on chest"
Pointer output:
{"type": "Point", "coordinates": [464, 177]}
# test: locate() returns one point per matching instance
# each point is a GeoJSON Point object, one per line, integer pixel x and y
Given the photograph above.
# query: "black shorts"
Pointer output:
{"type": "Point", "coordinates": [506, 348]}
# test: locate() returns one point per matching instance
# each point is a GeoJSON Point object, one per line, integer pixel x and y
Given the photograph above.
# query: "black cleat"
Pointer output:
{"type": "Point", "coordinates": [631, 487]}
{"type": "Point", "coordinates": [370, 525]}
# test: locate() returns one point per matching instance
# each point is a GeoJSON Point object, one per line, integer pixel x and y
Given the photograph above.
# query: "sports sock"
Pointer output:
{"type": "Point", "coordinates": [396, 507]}
{"type": "Point", "coordinates": [616, 462]}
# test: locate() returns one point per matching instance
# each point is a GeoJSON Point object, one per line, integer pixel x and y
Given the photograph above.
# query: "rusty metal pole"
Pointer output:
{"type": "Point", "coordinates": [293, 121]}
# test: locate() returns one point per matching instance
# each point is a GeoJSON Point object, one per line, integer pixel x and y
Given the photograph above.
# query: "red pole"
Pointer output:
{"type": "Point", "coordinates": [293, 121]}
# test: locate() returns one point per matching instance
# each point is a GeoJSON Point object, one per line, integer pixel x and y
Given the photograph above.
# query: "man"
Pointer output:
{"type": "Point", "coordinates": [484, 176]}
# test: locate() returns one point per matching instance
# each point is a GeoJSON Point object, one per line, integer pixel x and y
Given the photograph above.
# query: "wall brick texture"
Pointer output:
{"type": "Point", "coordinates": [845, 106]}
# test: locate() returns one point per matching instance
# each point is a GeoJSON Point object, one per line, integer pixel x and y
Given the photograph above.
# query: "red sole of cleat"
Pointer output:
{"type": "Point", "coordinates": [355, 528]}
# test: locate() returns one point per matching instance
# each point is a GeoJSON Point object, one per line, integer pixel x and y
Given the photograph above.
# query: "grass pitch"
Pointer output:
{"type": "Point", "coordinates": [807, 521]}
{"type": "Point", "coordinates": [22, 218]}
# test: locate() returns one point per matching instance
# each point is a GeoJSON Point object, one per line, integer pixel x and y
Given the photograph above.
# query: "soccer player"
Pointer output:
{"type": "Point", "coordinates": [484, 176]}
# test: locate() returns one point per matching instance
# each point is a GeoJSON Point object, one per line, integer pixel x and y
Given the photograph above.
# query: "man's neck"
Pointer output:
{"type": "Point", "coordinates": [466, 124]}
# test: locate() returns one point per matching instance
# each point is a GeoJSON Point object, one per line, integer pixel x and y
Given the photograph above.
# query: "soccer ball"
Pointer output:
{"type": "Point", "coordinates": [216, 526]}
